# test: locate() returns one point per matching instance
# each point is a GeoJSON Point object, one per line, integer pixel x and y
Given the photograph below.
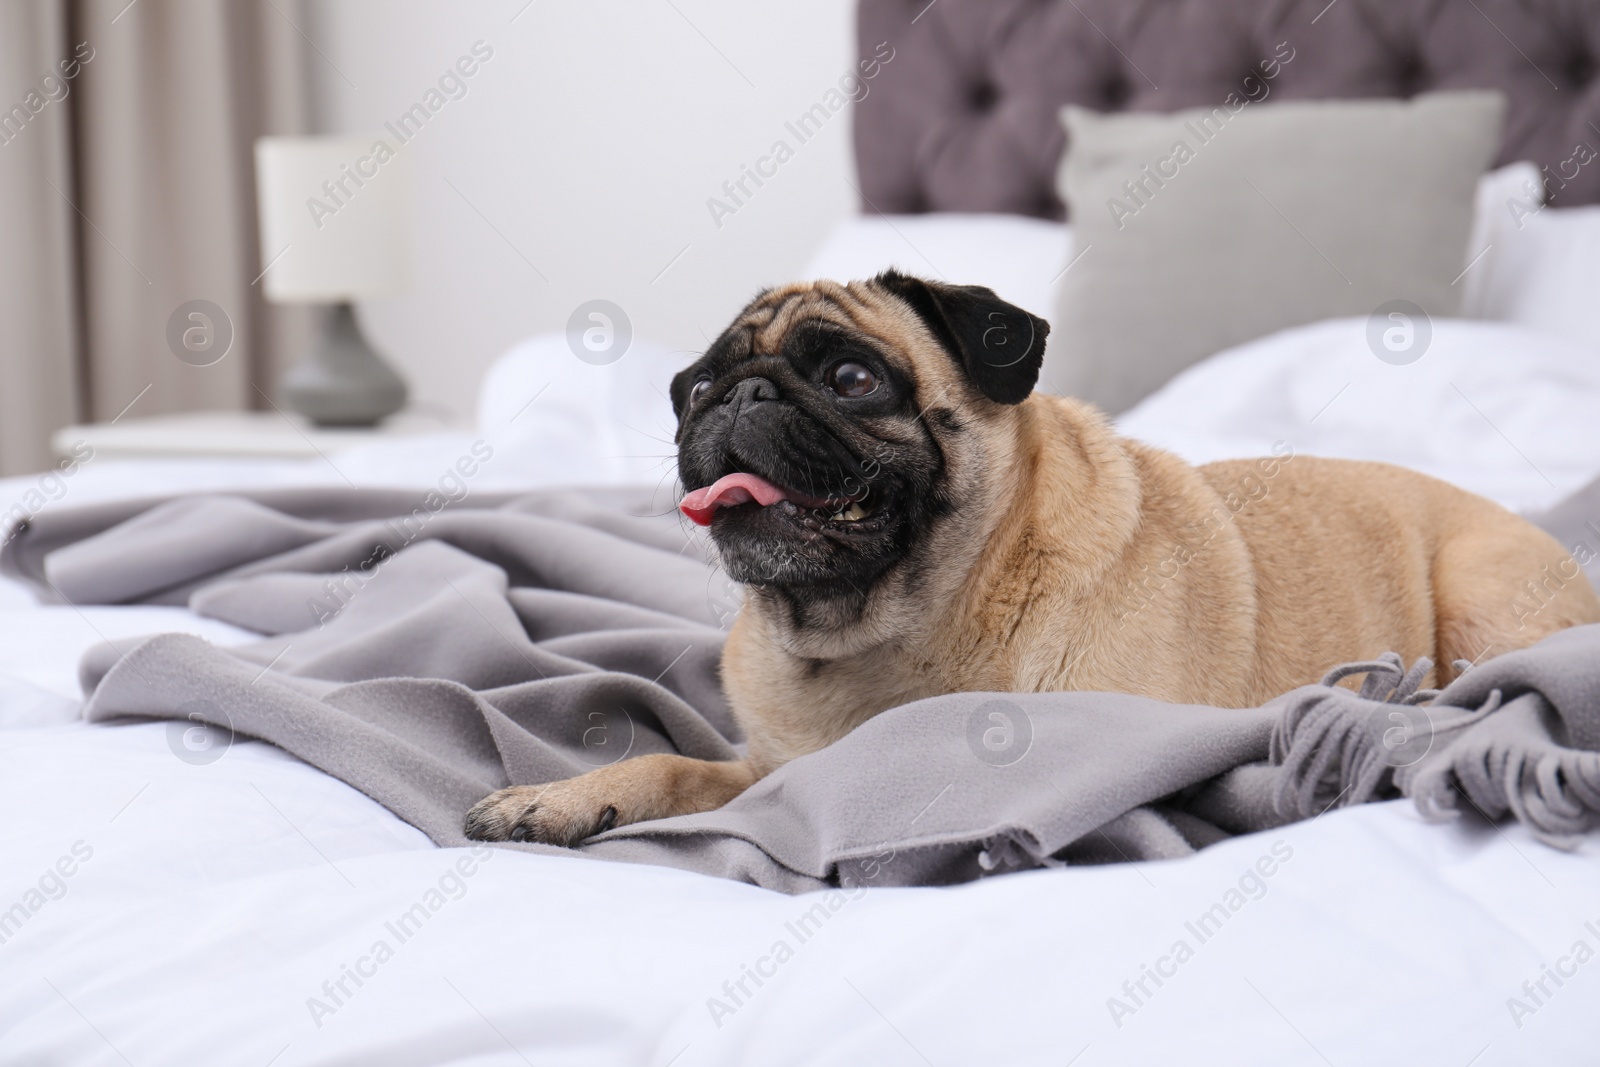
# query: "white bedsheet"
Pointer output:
{"type": "Point", "coordinates": [216, 901]}
{"type": "Point", "coordinates": [1502, 410]}
{"type": "Point", "coordinates": [208, 905]}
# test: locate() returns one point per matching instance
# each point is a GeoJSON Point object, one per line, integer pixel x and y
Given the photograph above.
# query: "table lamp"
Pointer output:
{"type": "Point", "coordinates": [335, 227]}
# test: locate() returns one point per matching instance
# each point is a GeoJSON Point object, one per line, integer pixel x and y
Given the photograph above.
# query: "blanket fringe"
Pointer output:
{"type": "Point", "coordinates": [1338, 749]}
{"type": "Point", "coordinates": [1552, 790]}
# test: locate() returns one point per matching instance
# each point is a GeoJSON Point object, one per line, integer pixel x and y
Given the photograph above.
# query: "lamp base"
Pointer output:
{"type": "Point", "coordinates": [342, 381]}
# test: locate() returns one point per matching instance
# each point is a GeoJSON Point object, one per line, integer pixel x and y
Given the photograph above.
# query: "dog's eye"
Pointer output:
{"type": "Point", "coordinates": [851, 379]}
{"type": "Point", "coordinates": [701, 390]}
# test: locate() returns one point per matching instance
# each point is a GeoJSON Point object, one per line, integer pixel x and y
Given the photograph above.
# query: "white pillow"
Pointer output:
{"type": "Point", "coordinates": [1546, 272]}
{"type": "Point", "coordinates": [1019, 258]}
{"type": "Point", "coordinates": [1492, 227]}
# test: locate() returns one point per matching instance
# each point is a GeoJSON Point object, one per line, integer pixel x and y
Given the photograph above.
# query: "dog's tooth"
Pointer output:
{"type": "Point", "coordinates": [853, 513]}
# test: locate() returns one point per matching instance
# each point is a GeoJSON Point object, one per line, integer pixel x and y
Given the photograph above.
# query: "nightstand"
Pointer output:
{"type": "Point", "coordinates": [257, 434]}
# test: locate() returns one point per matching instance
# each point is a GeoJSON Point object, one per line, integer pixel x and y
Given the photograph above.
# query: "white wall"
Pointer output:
{"type": "Point", "coordinates": [590, 141]}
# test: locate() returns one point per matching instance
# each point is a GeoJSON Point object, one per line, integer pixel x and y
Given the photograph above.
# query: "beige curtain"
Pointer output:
{"type": "Point", "coordinates": [129, 192]}
{"type": "Point", "coordinates": [38, 256]}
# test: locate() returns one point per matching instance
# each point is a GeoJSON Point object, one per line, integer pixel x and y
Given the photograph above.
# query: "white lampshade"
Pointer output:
{"type": "Point", "coordinates": [335, 217]}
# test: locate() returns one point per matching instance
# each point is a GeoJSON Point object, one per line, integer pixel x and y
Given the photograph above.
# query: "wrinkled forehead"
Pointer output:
{"type": "Point", "coordinates": [775, 315]}
{"type": "Point", "coordinates": [858, 311]}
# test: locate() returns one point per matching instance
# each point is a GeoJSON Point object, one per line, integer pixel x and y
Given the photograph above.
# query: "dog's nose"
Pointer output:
{"type": "Point", "coordinates": [753, 389]}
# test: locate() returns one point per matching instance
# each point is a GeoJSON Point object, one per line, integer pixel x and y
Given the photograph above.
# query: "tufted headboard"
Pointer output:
{"type": "Point", "coordinates": [964, 115]}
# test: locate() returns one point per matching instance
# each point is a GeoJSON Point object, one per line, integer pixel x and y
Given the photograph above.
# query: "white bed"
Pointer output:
{"type": "Point", "coordinates": [209, 903]}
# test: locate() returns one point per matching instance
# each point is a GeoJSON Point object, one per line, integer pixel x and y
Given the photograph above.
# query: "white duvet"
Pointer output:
{"type": "Point", "coordinates": [253, 911]}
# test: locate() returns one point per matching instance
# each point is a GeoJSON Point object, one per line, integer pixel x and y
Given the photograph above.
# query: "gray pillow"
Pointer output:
{"type": "Point", "coordinates": [1203, 229]}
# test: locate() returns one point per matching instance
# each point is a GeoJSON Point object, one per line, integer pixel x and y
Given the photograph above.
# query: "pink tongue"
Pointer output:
{"type": "Point", "coordinates": [729, 491]}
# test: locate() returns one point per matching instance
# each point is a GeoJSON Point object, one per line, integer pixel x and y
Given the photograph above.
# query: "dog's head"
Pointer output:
{"type": "Point", "coordinates": [831, 429]}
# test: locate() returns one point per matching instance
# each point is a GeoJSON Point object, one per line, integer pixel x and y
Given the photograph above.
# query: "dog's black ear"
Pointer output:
{"type": "Point", "coordinates": [1000, 346]}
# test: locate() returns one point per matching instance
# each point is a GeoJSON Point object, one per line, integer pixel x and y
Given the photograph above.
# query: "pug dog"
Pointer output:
{"type": "Point", "coordinates": [909, 518]}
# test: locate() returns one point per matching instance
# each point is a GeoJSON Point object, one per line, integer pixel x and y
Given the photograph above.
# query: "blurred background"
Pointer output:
{"type": "Point", "coordinates": [337, 241]}
{"type": "Point", "coordinates": [576, 164]}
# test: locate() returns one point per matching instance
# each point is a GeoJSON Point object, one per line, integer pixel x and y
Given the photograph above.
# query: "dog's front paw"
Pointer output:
{"type": "Point", "coordinates": [632, 790]}
{"type": "Point", "coordinates": [558, 813]}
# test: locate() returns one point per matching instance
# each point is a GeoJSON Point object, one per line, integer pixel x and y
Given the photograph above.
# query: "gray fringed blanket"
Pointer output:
{"type": "Point", "coordinates": [429, 654]}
